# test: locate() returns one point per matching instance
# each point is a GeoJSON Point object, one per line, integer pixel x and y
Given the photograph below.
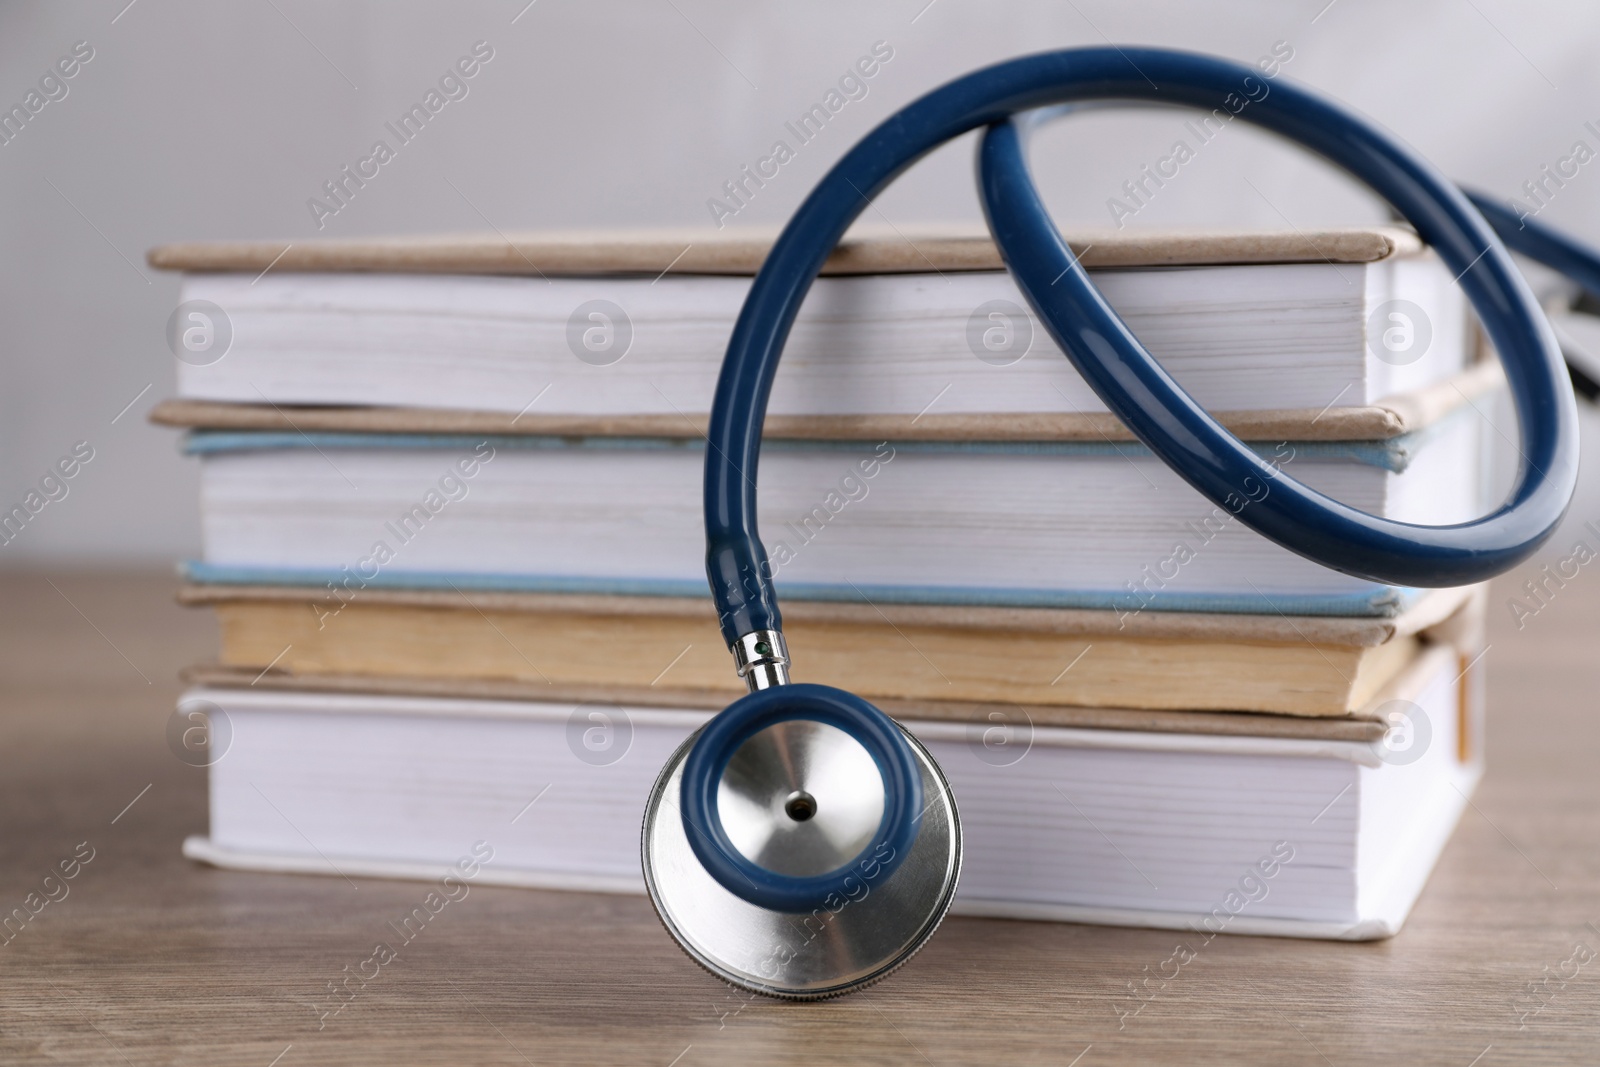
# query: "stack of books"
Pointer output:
{"type": "Point", "coordinates": [450, 499]}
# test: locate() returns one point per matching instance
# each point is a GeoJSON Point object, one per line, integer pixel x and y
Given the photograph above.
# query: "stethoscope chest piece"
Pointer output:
{"type": "Point", "coordinates": [801, 844]}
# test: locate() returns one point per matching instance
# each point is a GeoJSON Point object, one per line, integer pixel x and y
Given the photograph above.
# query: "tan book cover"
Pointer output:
{"type": "Point", "coordinates": [865, 250]}
{"type": "Point", "coordinates": [1367, 725]}
{"type": "Point", "coordinates": [1391, 417]}
{"type": "Point", "coordinates": [1306, 666]}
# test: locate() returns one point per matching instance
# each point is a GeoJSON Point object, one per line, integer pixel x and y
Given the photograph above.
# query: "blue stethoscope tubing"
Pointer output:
{"type": "Point", "coordinates": [1539, 242]}
{"type": "Point", "coordinates": [1118, 367]}
{"type": "Point", "coordinates": [1100, 346]}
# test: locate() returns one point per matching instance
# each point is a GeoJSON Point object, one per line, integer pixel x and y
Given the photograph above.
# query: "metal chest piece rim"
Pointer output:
{"type": "Point", "coordinates": [885, 909]}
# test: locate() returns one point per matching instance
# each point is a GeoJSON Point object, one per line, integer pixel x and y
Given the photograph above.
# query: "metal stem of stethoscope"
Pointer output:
{"type": "Point", "coordinates": [802, 844]}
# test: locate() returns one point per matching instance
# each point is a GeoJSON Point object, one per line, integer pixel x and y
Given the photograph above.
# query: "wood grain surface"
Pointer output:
{"type": "Point", "coordinates": [149, 959]}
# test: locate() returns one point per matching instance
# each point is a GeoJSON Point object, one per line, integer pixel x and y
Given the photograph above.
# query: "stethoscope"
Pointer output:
{"type": "Point", "coordinates": [803, 844]}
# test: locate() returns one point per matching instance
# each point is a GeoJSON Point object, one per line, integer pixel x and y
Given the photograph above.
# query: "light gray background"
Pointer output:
{"type": "Point", "coordinates": [219, 120]}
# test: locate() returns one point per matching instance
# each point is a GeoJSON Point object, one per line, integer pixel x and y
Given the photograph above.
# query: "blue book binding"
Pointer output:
{"type": "Point", "coordinates": [1393, 455]}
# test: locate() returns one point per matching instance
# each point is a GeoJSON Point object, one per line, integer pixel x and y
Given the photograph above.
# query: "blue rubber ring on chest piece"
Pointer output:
{"type": "Point", "coordinates": [748, 716]}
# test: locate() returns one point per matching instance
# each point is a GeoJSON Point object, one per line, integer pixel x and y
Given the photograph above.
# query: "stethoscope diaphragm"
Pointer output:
{"type": "Point", "coordinates": [824, 895]}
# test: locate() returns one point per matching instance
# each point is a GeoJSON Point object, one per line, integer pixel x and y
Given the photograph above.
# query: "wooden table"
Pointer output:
{"type": "Point", "coordinates": [152, 959]}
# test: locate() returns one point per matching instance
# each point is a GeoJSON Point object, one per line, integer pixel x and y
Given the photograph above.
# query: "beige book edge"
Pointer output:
{"type": "Point", "coordinates": [1017, 657]}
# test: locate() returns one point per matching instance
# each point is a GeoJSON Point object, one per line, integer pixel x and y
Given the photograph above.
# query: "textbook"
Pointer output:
{"type": "Point", "coordinates": [1293, 836]}
{"type": "Point", "coordinates": [559, 647]}
{"type": "Point", "coordinates": [918, 329]}
{"type": "Point", "coordinates": [1063, 524]}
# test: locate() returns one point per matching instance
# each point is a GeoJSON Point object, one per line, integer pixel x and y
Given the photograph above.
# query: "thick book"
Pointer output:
{"type": "Point", "coordinates": [565, 647]}
{"type": "Point", "coordinates": [1086, 524]}
{"type": "Point", "coordinates": [926, 329]}
{"type": "Point", "coordinates": [1309, 837]}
